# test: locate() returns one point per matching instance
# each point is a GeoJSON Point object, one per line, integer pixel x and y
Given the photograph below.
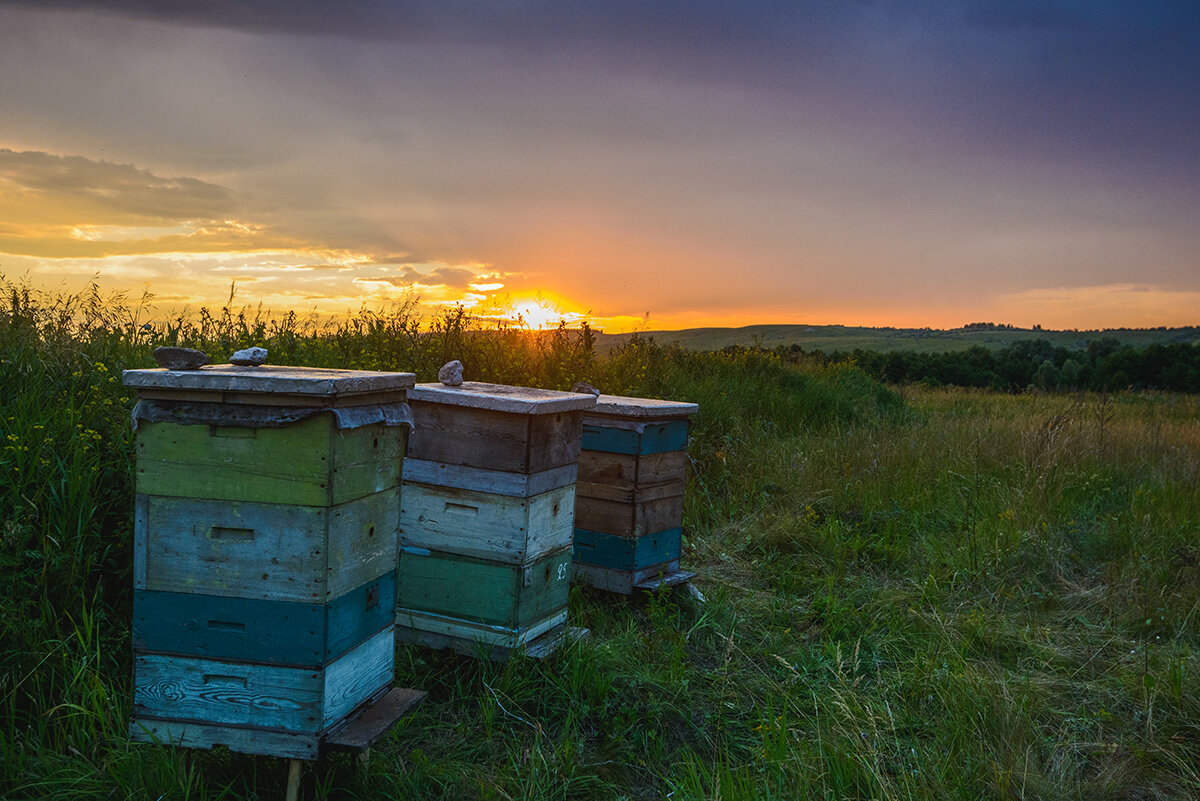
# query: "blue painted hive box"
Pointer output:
{"type": "Point", "coordinates": [265, 535]}
{"type": "Point", "coordinates": [629, 496]}
{"type": "Point", "coordinates": [487, 517]}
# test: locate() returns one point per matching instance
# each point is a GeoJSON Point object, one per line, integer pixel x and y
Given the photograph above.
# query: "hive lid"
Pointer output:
{"type": "Point", "coordinates": [622, 406]}
{"type": "Point", "coordinates": [270, 378]}
{"type": "Point", "coordinates": [502, 398]}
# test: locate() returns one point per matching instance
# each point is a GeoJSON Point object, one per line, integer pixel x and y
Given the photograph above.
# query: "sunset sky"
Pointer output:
{"type": "Point", "coordinates": [705, 163]}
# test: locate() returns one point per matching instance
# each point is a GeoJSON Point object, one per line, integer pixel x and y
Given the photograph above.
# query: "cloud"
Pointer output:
{"type": "Point", "coordinates": [114, 189]}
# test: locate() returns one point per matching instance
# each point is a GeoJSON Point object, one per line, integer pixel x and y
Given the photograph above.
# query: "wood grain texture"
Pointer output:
{"type": "Point", "coordinates": [270, 379]}
{"type": "Point", "coordinates": [632, 470]}
{"type": "Point", "coordinates": [489, 526]}
{"type": "Point", "coordinates": [360, 730]}
{"type": "Point", "coordinates": [268, 551]}
{"type": "Point", "coordinates": [479, 592]}
{"type": "Point", "coordinates": [622, 406]}
{"type": "Point", "coordinates": [491, 440]}
{"type": "Point", "coordinates": [503, 398]}
{"type": "Point", "coordinates": [309, 463]}
{"type": "Point", "coordinates": [518, 485]}
{"type": "Point", "coordinates": [141, 510]}
{"type": "Point", "coordinates": [358, 675]}
{"type": "Point", "coordinates": [243, 739]}
{"type": "Point", "coordinates": [626, 553]}
{"type": "Point", "coordinates": [628, 519]}
{"type": "Point", "coordinates": [230, 693]}
{"type": "Point", "coordinates": [639, 438]}
{"type": "Point", "coordinates": [269, 632]}
{"type": "Point", "coordinates": [629, 495]}
{"type": "Point", "coordinates": [414, 626]}
{"type": "Point", "coordinates": [625, 582]}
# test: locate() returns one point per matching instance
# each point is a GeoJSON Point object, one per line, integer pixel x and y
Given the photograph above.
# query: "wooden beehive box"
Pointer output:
{"type": "Point", "coordinates": [487, 516]}
{"type": "Point", "coordinates": [629, 496]}
{"type": "Point", "coordinates": [267, 514]}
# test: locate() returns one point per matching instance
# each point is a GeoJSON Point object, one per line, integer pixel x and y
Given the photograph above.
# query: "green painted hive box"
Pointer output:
{"type": "Point", "coordinates": [629, 495]}
{"type": "Point", "coordinates": [265, 536]}
{"type": "Point", "coordinates": [487, 516]}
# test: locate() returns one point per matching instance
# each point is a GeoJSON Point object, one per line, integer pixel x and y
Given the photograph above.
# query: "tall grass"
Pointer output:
{"type": "Point", "coordinates": [911, 594]}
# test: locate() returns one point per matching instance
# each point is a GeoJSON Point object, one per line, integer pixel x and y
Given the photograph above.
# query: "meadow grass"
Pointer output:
{"type": "Point", "coordinates": [911, 593]}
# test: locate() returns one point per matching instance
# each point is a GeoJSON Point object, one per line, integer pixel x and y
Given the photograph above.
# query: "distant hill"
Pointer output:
{"type": "Point", "coordinates": [830, 338]}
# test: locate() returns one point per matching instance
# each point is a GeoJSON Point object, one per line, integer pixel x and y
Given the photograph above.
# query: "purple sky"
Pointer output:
{"type": "Point", "coordinates": [708, 163]}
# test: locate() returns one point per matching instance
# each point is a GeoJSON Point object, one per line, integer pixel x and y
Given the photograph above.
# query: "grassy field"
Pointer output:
{"type": "Point", "coordinates": [911, 593]}
{"type": "Point", "coordinates": [831, 338]}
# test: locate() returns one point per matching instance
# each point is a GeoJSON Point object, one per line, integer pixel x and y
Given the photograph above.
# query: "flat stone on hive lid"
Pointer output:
{"type": "Point", "coordinates": [172, 358]}
{"type": "Point", "coordinates": [584, 388]}
{"type": "Point", "coordinates": [249, 357]}
{"type": "Point", "coordinates": [502, 398]}
{"type": "Point", "coordinates": [451, 374]}
{"type": "Point", "coordinates": [641, 408]}
{"type": "Point", "coordinates": [271, 379]}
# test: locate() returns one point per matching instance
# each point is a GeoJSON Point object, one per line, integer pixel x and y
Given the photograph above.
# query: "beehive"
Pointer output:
{"type": "Point", "coordinates": [487, 516]}
{"type": "Point", "coordinates": [267, 513]}
{"type": "Point", "coordinates": [629, 497]}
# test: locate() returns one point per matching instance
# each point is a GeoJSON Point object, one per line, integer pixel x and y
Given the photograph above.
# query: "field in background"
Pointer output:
{"type": "Point", "coordinates": [830, 338]}
{"type": "Point", "coordinates": [912, 592]}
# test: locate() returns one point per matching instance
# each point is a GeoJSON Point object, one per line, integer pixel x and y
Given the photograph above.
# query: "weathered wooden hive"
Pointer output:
{"type": "Point", "coordinates": [487, 517]}
{"type": "Point", "coordinates": [268, 506]}
{"type": "Point", "coordinates": [629, 497]}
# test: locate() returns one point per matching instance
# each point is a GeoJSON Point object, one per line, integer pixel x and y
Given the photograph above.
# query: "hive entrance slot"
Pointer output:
{"type": "Point", "coordinates": [226, 625]}
{"type": "Point", "coordinates": [231, 534]}
{"type": "Point", "coordinates": [224, 680]}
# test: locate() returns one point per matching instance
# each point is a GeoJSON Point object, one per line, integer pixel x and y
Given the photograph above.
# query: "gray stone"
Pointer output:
{"type": "Point", "coordinates": [584, 388]}
{"type": "Point", "coordinates": [451, 374]}
{"type": "Point", "coordinates": [180, 358]}
{"type": "Point", "coordinates": [250, 357]}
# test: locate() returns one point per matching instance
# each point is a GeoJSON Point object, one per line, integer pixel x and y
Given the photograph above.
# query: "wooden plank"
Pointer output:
{"type": "Point", "coordinates": [502, 398]}
{"type": "Point", "coordinates": [243, 739]}
{"type": "Point", "coordinates": [485, 525]}
{"type": "Point", "coordinates": [628, 519]}
{"type": "Point", "coordinates": [276, 552]}
{"type": "Point", "coordinates": [630, 495]}
{"type": "Point", "coordinates": [368, 724]}
{"type": "Point", "coordinates": [544, 588]}
{"type": "Point", "coordinates": [630, 470]}
{"type": "Point", "coordinates": [643, 438]}
{"type": "Point", "coordinates": [538, 648]}
{"type": "Point", "coordinates": [456, 587]}
{"type": "Point", "coordinates": [141, 508]}
{"type": "Point", "coordinates": [228, 693]}
{"type": "Point", "coordinates": [473, 437]}
{"type": "Point", "coordinates": [363, 537]}
{"type": "Point", "coordinates": [554, 440]}
{"type": "Point", "coordinates": [243, 550]}
{"type": "Point", "coordinates": [453, 632]}
{"type": "Point", "coordinates": [270, 632]}
{"type": "Point", "coordinates": [517, 485]}
{"type": "Point", "coordinates": [476, 592]}
{"type": "Point", "coordinates": [366, 460]}
{"type": "Point", "coordinates": [626, 582]}
{"type": "Point", "coordinates": [308, 463]}
{"type": "Point", "coordinates": [358, 675]}
{"type": "Point", "coordinates": [277, 465]}
{"type": "Point", "coordinates": [270, 379]}
{"type": "Point", "coordinates": [626, 553]}
{"type": "Point", "coordinates": [622, 406]}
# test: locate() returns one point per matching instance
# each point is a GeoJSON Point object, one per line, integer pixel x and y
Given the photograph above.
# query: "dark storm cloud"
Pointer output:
{"type": "Point", "coordinates": [119, 188]}
{"type": "Point", "coordinates": [1078, 80]}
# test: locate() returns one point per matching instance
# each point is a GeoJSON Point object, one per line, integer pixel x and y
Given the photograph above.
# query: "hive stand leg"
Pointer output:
{"type": "Point", "coordinates": [293, 785]}
{"type": "Point", "coordinates": [364, 759]}
{"type": "Point", "coordinates": [695, 593]}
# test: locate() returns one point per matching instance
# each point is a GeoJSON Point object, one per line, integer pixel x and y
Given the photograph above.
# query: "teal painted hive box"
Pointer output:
{"type": "Point", "coordinates": [265, 535]}
{"type": "Point", "coordinates": [629, 496]}
{"type": "Point", "coordinates": [487, 517]}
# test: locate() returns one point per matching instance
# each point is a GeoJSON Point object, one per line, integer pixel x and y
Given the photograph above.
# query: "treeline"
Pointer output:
{"type": "Point", "coordinates": [1105, 365]}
